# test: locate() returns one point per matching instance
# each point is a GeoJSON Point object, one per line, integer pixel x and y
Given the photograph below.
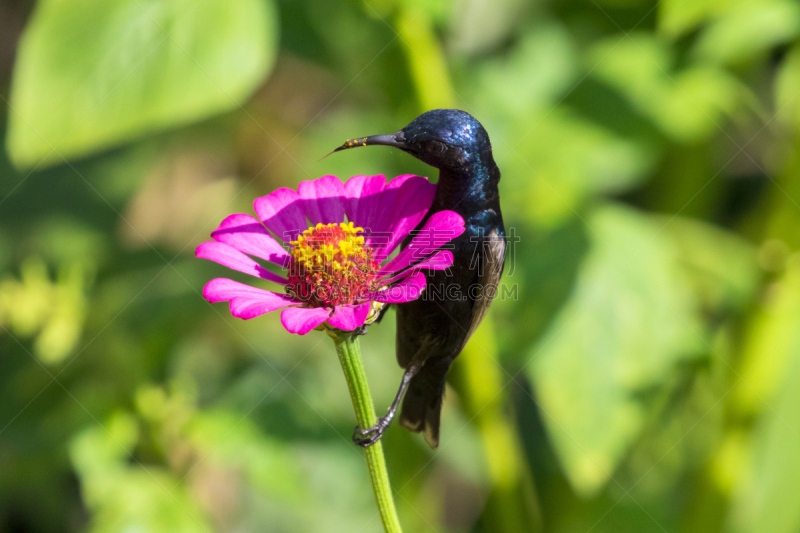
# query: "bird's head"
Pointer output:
{"type": "Point", "coordinates": [448, 139]}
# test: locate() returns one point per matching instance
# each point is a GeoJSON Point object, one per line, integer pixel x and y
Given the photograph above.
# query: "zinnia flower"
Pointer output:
{"type": "Point", "coordinates": [336, 271]}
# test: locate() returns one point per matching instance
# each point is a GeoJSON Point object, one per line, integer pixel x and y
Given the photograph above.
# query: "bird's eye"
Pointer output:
{"type": "Point", "coordinates": [435, 147]}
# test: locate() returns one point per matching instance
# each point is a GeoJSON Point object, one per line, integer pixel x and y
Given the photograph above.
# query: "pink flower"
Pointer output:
{"type": "Point", "coordinates": [336, 272]}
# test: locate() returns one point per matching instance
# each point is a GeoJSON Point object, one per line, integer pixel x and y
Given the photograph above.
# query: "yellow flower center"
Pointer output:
{"type": "Point", "coordinates": [331, 265]}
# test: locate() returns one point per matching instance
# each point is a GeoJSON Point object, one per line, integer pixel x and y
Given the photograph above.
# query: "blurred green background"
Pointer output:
{"type": "Point", "coordinates": [643, 375]}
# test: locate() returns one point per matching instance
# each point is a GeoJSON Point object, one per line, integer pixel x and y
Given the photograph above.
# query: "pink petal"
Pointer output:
{"type": "Point", "coordinates": [245, 301]}
{"type": "Point", "coordinates": [301, 320]}
{"type": "Point", "coordinates": [224, 290]}
{"type": "Point", "coordinates": [349, 317]}
{"type": "Point", "coordinates": [247, 235]}
{"type": "Point", "coordinates": [362, 202]}
{"type": "Point", "coordinates": [408, 289]}
{"type": "Point", "coordinates": [414, 198]}
{"type": "Point", "coordinates": [378, 226]}
{"type": "Point", "coordinates": [247, 308]}
{"type": "Point", "coordinates": [323, 200]}
{"type": "Point", "coordinates": [282, 213]}
{"type": "Point", "coordinates": [440, 229]}
{"type": "Point", "coordinates": [439, 261]}
{"type": "Point", "coordinates": [227, 255]}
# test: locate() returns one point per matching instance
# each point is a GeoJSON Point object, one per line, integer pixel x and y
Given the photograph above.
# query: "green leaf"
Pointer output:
{"type": "Point", "coordinates": [722, 267]}
{"type": "Point", "coordinates": [531, 78]}
{"type": "Point", "coordinates": [630, 320]}
{"type": "Point", "coordinates": [53, 311]}
{"type": "Point", "coordinates": [121, 496]}
{"type": "Point", "coordinates": [699, 99]}
{"type": "Point", "coordinates": [770, 343]}
{"type": "Point", "coordinates": [787, 88]}
{"type": "Point", "coordinates": [230, 441]}
{"type": "Point", "coordinates": [476, 26]}
{"type": "Point", "coordinates": [748, 28]}
{"type": "Point", "coordinates": [768, 498]}
{"type": "Point", "coordinates": [677, 17]}
{"type": "Point", "coordinates": [91, 74]}
{"type": "Point", "coordinates": [563, 160]}
{"type": "Point", "coordinates": [687, 105]}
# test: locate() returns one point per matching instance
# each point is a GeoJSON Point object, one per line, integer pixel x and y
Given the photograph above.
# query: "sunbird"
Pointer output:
{"type": "Point", "coordinates": [432, 330]}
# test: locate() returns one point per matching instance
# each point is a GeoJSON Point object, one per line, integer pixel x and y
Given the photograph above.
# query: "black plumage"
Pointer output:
{"type": "Point", "coordinates": [432, 330]}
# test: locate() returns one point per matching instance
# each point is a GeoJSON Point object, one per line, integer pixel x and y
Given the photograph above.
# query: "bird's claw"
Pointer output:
{"type": "Point", "coordinates": [366, 437]}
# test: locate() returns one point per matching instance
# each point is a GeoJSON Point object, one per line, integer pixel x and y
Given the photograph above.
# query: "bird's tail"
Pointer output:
{"type": "Point", "coordinates": [422, 405]}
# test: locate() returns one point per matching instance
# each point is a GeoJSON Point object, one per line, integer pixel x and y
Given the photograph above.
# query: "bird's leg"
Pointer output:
{"type": "Point", "coordinates": [368, 436]}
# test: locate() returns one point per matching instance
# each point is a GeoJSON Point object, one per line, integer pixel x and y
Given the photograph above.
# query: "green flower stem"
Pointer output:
{"type": "Point", "coordinates": [349, 352]}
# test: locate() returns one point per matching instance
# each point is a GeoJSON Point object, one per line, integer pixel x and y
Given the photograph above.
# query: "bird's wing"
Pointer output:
{"type": "Point", "coordinates": [494, 259]}
{"type": "Point", "coordinates": [418, 325]}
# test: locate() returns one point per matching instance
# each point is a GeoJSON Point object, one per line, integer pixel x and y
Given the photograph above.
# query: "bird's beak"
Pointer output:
{"type": "Point", "coordinates": [396, 140]}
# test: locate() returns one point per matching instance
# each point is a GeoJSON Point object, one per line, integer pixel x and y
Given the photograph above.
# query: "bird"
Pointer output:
{"type": "Point", "coordinates": [433, 330]}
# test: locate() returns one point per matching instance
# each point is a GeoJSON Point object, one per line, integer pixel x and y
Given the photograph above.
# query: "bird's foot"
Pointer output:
{"type": "Point", "coordinates": [368, 436]}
